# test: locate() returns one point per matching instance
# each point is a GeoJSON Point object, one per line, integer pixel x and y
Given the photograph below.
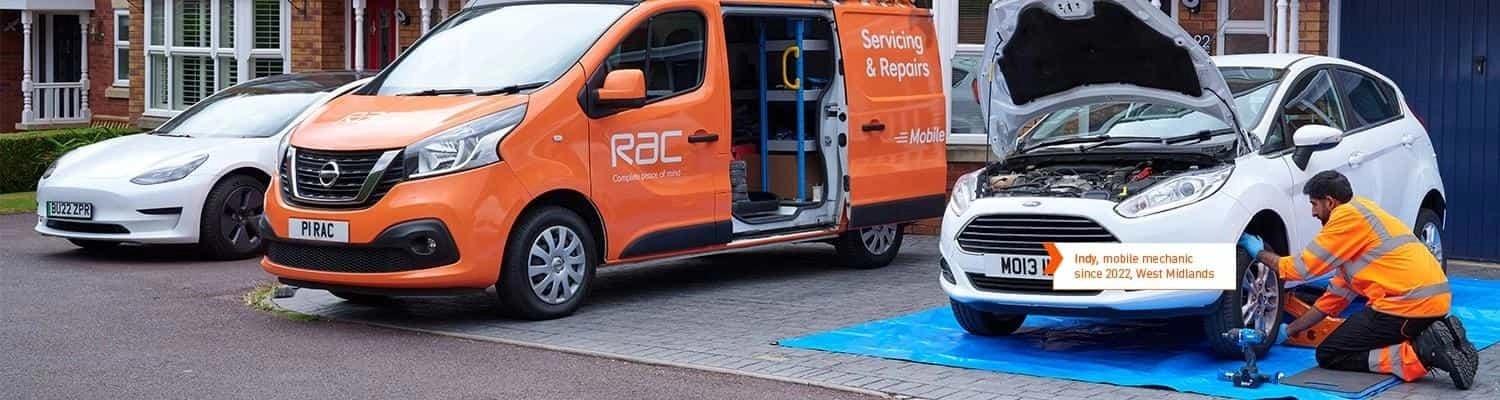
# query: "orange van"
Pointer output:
{"type": "Point", "coordinates": [521, 144]}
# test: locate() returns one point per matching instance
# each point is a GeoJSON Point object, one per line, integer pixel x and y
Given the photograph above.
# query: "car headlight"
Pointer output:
{"type": "Point", "coordinates": [964, 192]}
{"type": "Point", "coordinates": [50, 167]}
{"type": "Point", "coordinates": [170, 170]}
{"type": "Point", "coordinates": [1175, 192]}
{"type": "Point", "coordinates": [471, 145]}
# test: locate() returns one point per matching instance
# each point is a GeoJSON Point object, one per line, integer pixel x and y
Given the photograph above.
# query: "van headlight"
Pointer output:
{"type": "Point", "coordinates": [964, 192]}
{"type": "Point", "coordinates": [471, 145]}
{"type": "Point", "coordinates": [170, 170]}
{"type": "Point", "coordinates": [1175, 192]}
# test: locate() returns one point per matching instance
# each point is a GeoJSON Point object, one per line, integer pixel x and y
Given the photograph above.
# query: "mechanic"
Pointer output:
{"type": "Point", "coordinates": [1374, 255]}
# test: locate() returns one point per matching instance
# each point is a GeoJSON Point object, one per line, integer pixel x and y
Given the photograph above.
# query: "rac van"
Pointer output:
{"type": "Point", "coordinates": [520, 145]}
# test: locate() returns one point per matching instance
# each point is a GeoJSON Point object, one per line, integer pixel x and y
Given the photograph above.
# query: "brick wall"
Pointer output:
{"type": "Point", "coordinates": [317, 36]}
{"type": "Point", "coordinates": [1203, 22]}
{"type": "Point", "coordinates": [102, 64]}
{"type": "Point", "coordinates": [10, 70]}
{"type": "Point", "coordinates": [1312, 37]}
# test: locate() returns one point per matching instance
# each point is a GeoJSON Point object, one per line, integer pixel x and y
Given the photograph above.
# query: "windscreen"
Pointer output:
{"type": "Point", "coordinates": [491, 47]}
{"type": "Point", "coordinates": [229, 114]}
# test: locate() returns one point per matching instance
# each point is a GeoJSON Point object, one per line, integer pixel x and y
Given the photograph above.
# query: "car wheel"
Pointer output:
{"type": "Point", "coordinates": [983, 323]}
{"type": "Point", "coordinates": [226, 230]}
{"type": "Point", "coordinates": [870, 247]}
{"type": "Point", "coordinates": [1429, 230]}
{"type": "Point", "coordinates": [361, 298]}
{"type": "Point", "coordinates": [93, 245]}
{"type": "Point", "coordinates": [549, 265]}
{"type": "Point", "coordinates": [1256, 304]}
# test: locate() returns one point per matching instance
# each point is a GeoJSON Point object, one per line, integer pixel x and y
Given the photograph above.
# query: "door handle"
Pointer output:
{"type": "Point", "coordinates": [873, 126]}
{"type": "Point", "coordinates": [703, 137]}
{"type": "Point", "coordinates": [1408, 139]}
{"type": "Point", "coordinates": [1356, 159]}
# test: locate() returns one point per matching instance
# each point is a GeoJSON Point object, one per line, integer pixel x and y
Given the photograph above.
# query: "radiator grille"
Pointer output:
{"type": "Point", "coordinates": [1022, 234]}
{"type": "Point", "coordinates": [344, 192]}
{"type": "Point", "coordinates": [341, 258]}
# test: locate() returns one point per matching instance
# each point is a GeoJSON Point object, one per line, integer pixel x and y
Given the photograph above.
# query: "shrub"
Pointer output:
{"type": "Point", "coordinates": [24, 156]}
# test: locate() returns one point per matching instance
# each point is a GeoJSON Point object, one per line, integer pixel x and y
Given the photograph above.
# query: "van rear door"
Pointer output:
{"type": "Point", "coordinates": [896, 136]}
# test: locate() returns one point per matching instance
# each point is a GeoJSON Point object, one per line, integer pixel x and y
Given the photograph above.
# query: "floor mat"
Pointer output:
{"type": "Point", "coordinates": [1167, 354]}
{"type": "Point", "coordinates": [1344, 383]}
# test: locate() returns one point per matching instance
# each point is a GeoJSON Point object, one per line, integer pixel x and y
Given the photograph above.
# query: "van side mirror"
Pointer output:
{"type": "Point", "coordinates": [1310, 139]}
{"type": "Point", "coordinates": [622, 88]}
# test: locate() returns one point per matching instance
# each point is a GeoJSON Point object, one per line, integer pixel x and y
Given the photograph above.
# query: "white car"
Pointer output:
{"type": "Point", "coordinates": [1113, 126]}
{"type": "Point", "coordinates": [199, 178]}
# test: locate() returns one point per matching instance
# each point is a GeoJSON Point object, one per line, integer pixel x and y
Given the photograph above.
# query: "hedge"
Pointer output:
{"type": "Point", "coordinates": [25, 155]}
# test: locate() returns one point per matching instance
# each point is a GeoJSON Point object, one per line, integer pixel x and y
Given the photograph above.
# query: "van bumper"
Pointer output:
{"type": "Point", "coordinates": [445, 232]}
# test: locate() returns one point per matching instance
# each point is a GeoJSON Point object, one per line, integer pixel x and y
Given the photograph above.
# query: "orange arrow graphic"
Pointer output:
{"type": "Point", "coordinates": [1054, 258]}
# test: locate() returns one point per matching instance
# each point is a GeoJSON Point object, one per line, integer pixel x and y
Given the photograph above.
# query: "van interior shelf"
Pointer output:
{"type": "Point", "coordinates": [807, 45]}
{"type": "Point", "coordinates": [781, 95]}
{"type": "Point", "coordinates": [790, 146]}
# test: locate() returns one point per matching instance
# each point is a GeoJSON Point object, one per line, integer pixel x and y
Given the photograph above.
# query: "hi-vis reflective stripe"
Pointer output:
{"type": "Point", "coordinates": [1374, 221]}
{"type": "Point", "coordinates": [1342, 292]}
{"type": "Point", "coordinates": [1319, 253]}
{"type": "Point", "coordinates": [1420, 292]}
{"type": "Point", "coordinates": [1387, 245]}
{"type": "Point", "coordinates": [1391, 360]}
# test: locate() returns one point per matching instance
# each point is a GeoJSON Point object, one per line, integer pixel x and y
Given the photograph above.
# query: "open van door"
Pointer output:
{"type": "Point", "coordinates": [896, 135]}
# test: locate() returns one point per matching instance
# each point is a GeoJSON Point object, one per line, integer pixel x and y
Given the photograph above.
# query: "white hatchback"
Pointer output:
{"type": "Point", "coordinates": [199, 178]}
{"type": "Point", "coordinates": [1114, 126]}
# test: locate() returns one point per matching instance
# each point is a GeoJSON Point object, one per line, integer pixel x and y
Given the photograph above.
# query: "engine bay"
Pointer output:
{"type": "Point", "coordinates": [1112, 180]}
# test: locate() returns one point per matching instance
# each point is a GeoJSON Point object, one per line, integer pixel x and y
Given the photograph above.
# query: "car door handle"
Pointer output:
{"type": "Point", "coordinates": [1356, 159]}
{"type": "Point", "coordinates": [703, 137]}
{"type": "Point", "coordinates": [1408, 140]}
{"type": "Point", "coordinates": [873, 126]}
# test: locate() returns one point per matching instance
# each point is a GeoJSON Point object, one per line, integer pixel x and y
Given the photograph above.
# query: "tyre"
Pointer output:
{"type": "Point", "coordinates": [226, 230]}
{"type": "Point", "coordinates": [869, 247]}
{"type": "Point", "coordinates": [1429, 229]}
{"type": "Point", "coordinates": [1255, 304]}
{"type": "Point", "coordinates": [985, 323]}
{"type": "Point", "coordinates": [94, 245]}
{"type": "Point", "coordinates": [549, 265]}
{"type": "Point", "coordinates": [361, 298]}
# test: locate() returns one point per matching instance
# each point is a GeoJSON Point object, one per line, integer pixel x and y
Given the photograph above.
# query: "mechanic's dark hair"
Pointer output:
{"type": "Point", "coordinates": [1329, 184]}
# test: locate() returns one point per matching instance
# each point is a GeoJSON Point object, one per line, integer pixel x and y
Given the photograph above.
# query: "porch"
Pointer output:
{"type": "Point", "coordinates": [54, 62]}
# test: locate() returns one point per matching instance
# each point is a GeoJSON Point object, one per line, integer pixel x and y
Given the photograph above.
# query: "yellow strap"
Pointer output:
{"type": "Point", "coordinates": [784, 79]}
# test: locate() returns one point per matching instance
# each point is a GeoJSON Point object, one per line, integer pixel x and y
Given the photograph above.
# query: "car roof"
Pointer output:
{"type": "Point", "coordinates": [1261, 60]}
{"type": "Point", "coordinates": [302, 82]}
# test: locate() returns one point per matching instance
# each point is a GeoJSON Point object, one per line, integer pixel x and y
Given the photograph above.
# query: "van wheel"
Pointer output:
{"type": "Point", "coordinates": [870, 247]}
{"type": "Point", "coordinates": [1430, 232]}
{"type": "Point", "coordinates": [226, 230]}
{"type": "Point", "coordinates": [985, 323]}
{"type": "Point", "coordinates": [549, 265]}
{"type": "Point", "coordinates": [1256, 304]}
{"type": "Point", "coordinates": [94, 245]}
{"type": "Point", "coordinates": [361, 298]}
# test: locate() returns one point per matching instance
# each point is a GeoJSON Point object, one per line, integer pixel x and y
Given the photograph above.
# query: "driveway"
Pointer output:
{"type": "Point", "coordinates": [156, 323]}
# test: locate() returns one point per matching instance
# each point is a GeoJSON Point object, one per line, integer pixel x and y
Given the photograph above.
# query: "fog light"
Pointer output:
{"type": "Point", "coordinates": [423, 246]}
{"type": "Point", "coordinates": [947, 273]}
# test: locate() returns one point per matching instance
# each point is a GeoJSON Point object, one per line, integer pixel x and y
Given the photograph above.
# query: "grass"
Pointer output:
{"type": "Point", "coordinates": [18, 203]}
{"type": "Point", "coordinates": [259, 298]}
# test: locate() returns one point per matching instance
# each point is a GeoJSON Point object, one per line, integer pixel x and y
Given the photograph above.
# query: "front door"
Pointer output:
{"type": "Point", "coordinates": [1315, 100]}
{"type": "Point", "coordinates": [897, 142]}
{"type": "Point", "coordinates": [656, 168]}
{"type": "Point", "coordinates": [58, 44]}
{"type": "Point", "coordinates": [380, 29]}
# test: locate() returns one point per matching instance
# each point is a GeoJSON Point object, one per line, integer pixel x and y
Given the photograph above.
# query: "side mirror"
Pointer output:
{"type": "Point", "coordinates": [1310, 139]}
{"type": "Point", "coordinates": [622, 88]}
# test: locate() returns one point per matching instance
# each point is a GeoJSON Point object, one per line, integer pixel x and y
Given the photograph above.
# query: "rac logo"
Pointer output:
{"type": "Point", "coordinates": [640, 149]}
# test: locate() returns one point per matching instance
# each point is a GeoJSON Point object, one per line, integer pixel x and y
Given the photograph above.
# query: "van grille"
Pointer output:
{"type": "Point", "coordinates": [353, 166]}
{"type": "Point", "coordinates": [1022, 234]}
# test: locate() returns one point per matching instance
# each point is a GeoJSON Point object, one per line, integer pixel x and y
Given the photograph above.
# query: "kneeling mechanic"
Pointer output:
{"type": "Point", "coordinates": [1406, 328]}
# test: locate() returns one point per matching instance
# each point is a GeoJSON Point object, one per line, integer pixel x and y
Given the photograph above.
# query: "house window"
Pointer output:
{"type": "Point", "coordinates": [122, 47]}
{"type": "Point", "coordinates": [1246, 26]}
{"type": "Point", "coordinates": [197, 47]}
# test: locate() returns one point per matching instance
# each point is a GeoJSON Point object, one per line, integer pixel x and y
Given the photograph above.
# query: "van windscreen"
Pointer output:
{"type": "Point", "coordinates": [486, 48]}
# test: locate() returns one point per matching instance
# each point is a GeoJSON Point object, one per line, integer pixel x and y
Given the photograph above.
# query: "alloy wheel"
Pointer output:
{"type": "Point", "coordinates": [1432, 237]}
{"type": "Point", "coordinates": [240, 210]}
{"type": "Point", "coordinates": [556, 265]}
{"type": "Point", "coordinates": [878, 239]}
{"type": "Point", "coordinates": [1261, 298]}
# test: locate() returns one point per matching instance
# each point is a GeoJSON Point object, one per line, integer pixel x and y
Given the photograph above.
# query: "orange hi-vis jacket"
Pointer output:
{"type": "Point", "coordinates": [1375, 255]}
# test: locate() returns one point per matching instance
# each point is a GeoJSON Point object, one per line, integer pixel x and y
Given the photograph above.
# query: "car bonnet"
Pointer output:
{"type": "Point", "coordinates": [1046, 55]}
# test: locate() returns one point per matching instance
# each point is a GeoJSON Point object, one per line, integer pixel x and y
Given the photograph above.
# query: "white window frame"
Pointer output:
{"type": "Point", "coordinates": [241, 50]}
{"type": "Point", "coordinates": [1243, 27]}
{"type": "Point", "coordinates": [121, 44]}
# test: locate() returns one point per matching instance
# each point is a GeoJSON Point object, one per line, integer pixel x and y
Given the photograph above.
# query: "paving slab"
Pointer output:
{"type": "Point", "coordinates": [725, 313]}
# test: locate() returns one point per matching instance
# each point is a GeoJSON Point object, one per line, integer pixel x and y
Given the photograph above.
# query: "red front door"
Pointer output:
{"type": "Point", "coordinates": [379, 33]}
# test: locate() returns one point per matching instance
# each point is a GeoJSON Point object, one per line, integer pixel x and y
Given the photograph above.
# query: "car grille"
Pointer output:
{"type": "Point", "coordinates": [1022, 234]}
{"type": "Point", "coordinates": [1016, 285]}
{"type": "Point", "coordinates": [341, 258]}
{"type": "Point", "coordinates": [354, 168]}
{"type": "Point", "coordinates": [85, 227]}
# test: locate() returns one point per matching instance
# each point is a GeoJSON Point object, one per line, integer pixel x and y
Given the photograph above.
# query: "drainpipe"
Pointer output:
{"type": "Point", "coordinates": [1281, 26]}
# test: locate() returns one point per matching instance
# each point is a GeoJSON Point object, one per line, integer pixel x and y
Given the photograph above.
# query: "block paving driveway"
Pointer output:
{"type": "Point", "coordinates": [725, 313]}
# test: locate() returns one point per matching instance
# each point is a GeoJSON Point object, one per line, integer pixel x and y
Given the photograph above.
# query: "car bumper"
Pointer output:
{"type": "Point", "coordinates": [150, 214]}
{"type": "Point", "coordinates": [474, 210]}
{"type": "Point", "coordinates": [1181, 225]}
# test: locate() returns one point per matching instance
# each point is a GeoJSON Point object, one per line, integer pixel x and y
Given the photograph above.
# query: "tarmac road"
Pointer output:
{"type": "Point", "coordinates": [158, 323]}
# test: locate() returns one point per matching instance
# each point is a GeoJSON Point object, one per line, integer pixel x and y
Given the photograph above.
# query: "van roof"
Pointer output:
{"type": "Point", "coordinates": [800, 3]}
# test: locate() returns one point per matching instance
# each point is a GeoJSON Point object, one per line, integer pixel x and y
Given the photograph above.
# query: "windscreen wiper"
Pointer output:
{"type": "Point", "coordinates": [1067, 140]}
{"type": "Point", "coordinates": [438, 92]}
{"type": "Point", "coordinates": [512, 89]}
{"type": "Point", "coordinates": [1121, 140]}
{"type": "Point", "coordinates": [1198, 136]}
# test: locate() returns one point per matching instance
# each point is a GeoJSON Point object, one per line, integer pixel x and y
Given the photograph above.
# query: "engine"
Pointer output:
{"type": "Point", "coordinates": [1111, 181]}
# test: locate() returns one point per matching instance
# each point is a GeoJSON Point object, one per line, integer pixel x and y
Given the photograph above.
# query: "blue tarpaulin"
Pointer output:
{"type": "Point", "coordinates": [1169, 354]}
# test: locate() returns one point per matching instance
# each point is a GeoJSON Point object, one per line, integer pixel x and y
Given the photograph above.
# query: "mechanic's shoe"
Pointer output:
{"type": "Point", "coordinates": [1437, 349]}
{"type": "Point", "coordinates": [1465, 347]}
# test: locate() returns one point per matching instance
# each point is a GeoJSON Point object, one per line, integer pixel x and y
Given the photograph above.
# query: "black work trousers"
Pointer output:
{"type": "Point", "coordinates": [1348, 347]}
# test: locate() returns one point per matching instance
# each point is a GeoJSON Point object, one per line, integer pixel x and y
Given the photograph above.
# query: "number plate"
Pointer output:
{"type": "Point", "coordinates": [69, 209]}
{"type": "Point", "coordinates": [1009, 266]}
{"type": "Point", "coordinates": [311, 229]}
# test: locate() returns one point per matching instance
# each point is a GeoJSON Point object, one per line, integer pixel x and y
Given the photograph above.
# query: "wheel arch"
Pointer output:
{"type": "Point", "coordinates": [1272, 228]}
{"type": "Point", "coordinates": [1434, 201]}
{"type": "Point", "coordinates": [578, 203]}
{"type": "Point", "coordinates": [253, 172]}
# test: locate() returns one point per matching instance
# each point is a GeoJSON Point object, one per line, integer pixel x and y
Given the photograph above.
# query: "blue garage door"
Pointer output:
{"type": "Point", "coordinates": [1438, 52]}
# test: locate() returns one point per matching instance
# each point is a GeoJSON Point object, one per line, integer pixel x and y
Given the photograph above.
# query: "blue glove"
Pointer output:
{"type": "Point", "coordinates": [1252, 244]}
